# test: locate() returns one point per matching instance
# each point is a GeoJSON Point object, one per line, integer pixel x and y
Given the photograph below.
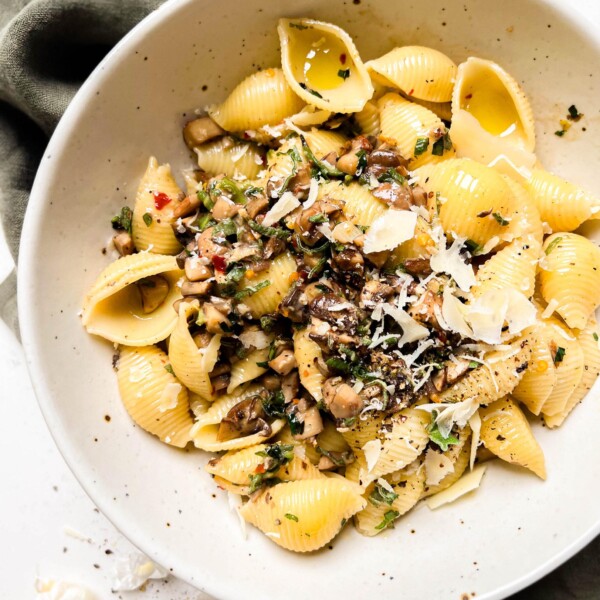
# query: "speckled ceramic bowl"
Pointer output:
{"type": "Point", "coordinates": [186, 55]}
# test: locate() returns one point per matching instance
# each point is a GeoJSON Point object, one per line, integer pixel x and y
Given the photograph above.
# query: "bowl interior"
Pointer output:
{"type": "Point", "coordinates": [191, 53]}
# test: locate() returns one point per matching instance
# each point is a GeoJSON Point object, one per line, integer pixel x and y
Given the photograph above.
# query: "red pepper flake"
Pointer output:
{"type": "Point", "coordinates": [343, 58]}
{"type": "Point", "coordinates": [303, 274]}
{"type": "Point", "coordinates": [412, 91]}
{"type": "Point", "coordinates": [260, 469]}
{"type": "Point", "coordinates": [161, 200]}
{"type": "Point", "coordinates": [468, 96]}
{"type": "Point", "coordinates": [220, 263]}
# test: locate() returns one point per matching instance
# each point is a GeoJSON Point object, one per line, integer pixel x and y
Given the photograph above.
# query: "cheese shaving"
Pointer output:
{"type": "Point", "coordinates": [437, 466]}
{"type": "Point", "coordinates": [390, 230]}
{"type": "Point", "coordinates": [52, 589]}
{"type": "Point", "coordinates": [285, 205]}
{"type": "Point", "coordinates": [411, 329]}
{"type": "Point", "coordinates": [467, 483]}
{"type": "Point", "coordinates": [449, 261]}
{"type": "Point", "coordinates": [346, 232]}
{"type": "Point", "coordinates": [372, 450]}
{"type": "Point", "coordinates": [451, 414]}
{"type": "Point", "coordinates": [313, 193]}
{"type": "Point", "coordinates": [255, 339]}
{"type": "Point", "coordinates": [133, 570]}
{"type": "Point", "coordinates": [169, 397]}
{"type": "Point", "coordinates": [325, 229]}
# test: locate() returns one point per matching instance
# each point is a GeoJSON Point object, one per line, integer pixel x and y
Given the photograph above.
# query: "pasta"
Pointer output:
{"type": "Point", "coordinates": [368, 277]}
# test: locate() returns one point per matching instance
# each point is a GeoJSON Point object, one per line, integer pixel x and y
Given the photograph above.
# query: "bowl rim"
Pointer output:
{"type": "Point", "coordinates": [32, 222]}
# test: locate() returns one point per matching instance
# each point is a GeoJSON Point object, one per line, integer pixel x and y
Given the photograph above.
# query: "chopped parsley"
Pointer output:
{"type": "Point", "coordinates": [560, 132]}
{"type": "Point", "coordinates": [169, 369]}
{"type": "Point", "coordinates": [267, 323]}
{"type": "Point", "coordinates": [275, 232]}
{"type": "Point", "coordinates": [595, 336]}
{"type": "Point", "coordinates": [275, 455]}
{"type": "Point", "coordinates": [473, 247]}
{"type": "Point", "coordinates": [362, 162]}
{"type": "Point", "coordinates": [205, 199]}
{"type": "Point", "coordinates": [322, 166]}
{"type": "Point", "coordinates": [310, 90]}
{"type": "Point", "coordinates": [274, 405]}
{"type": "Point", "coordinates": [388, 519]}
{"type": "Point", "coordinates": [441, 145]}
{"type": "Point", "coordinates": [251, 290]}
{"type": "Point", "coordinates": [380, 496]}
{"type": "Point", "coordinates": [553, 245]}
{"type": "Point", "coordinates": [296, 426]}
{"type": "Point", "coordinates": [344, 73]}
{"type": "Point", "coordinates": [147, 217]}
{"type": "Point", "coordinates": [205, 221]}
{"type": "Point", "coordinates": [224, 228]}
{"type": "Point", "coordinates": [123, 219]}
{"type": "Point", "coordinates": [473, 364]}
{"type": "Point", "coordinates": [436, 436]}
{"type": "Point", "coordinates": [319, 218]}
{"type": "Point", "coordinates": [291, 517]}
{"type": "Point", "coordinates": [421, 145]}
{"type": "Point", "coordinates": [390, 176]}
{"type": "Point", "coordinates": [574, 114]}
{"type": "Point", "coordinates": [500, 219]}
{"type": "Point", "coordinates": [559, 355]}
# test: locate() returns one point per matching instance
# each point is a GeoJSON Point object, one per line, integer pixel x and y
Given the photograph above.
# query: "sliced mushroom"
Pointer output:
{"type": "Point", "coordinates": [271, 382]}
{"type": "Point", "coordinates": [284, 362]}
{"type": "Point", "coordinates": [195, 270]}
{"type": "Point", "coordinates": [245, 418]}
{"type": "Point", "coordinates": [224, 208]}
{"type": "Point", "coordinates": [375, 291]}
{"type": "Point", "coordinates": [216, 321]}
{"type": "Point", "coordinates": [257, 205]}
{"type": "Point", "coordinates": [188, 206]}
{"type": "Point", "coordinates": [273, 248]}
{"type": "Point", "coordinates": [313, 424]}
{"type": "Point", "coordinates": [200, 130]}
{"type": "Point", "coordinates": [337, 311]}
{"type": "Point", "coordinates": [290, 386]}
{"type": "Point", "coordinates": [207, 247]}
{"type": "Point", "coordinates": [153, 291]}
{"type": "Point", "coordinates": [196, 288]}
{"type": "Point", "coordinates": [340, 399]}
{"type": "Point", "coordinates": [348, 162]}
{"type": "Point", "coordinates": [417, 266]}
{"type": "Point", "coordinates": [397, 196]}
{"type": "Point", "coordinates": [123, 243]}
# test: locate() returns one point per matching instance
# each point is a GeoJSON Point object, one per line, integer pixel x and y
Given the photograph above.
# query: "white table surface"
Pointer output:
{"type": "Point", "coordinates": [50, 528]}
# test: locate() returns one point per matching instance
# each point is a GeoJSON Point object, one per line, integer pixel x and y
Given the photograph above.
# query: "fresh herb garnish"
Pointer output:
{"type": "Point", "coordinates": [362, 162]}
{"type": "Point", "coordinates": [388, 519]}
{"type": "Point", "coordinates": [251, 289]}
{"type": "Point", "coordinates": [322, 166]}
{"type": "Point", "coordinates": [574, 114]}
{"type": "Point", "coordinates": [391, 176]}
{"type": "Point", "coordinates": [559, 355]}
{"type": "Point", "coordinates": [274, 405]}
{"type": "Point", "coordinates": [381, 495]}
{"type": "Point", "coordinates": [338, 364]}
{"type": "Point", "coordinates": [500, 219]}
{"type": "Point", "coordinates": [230, 186]}
{"type": "Point", "coordinates": [473, 364]}
{"type": "Point", "coordinates": [553, 245]}
{"type": "Point", "coordinates": [296, 426]}
{"type": "Point", "coordinates": [441, 145]}
{"type": "Point", "coordinates": [205, 221]}
{"type": "Point", "coordinates": [436, 436]}
{"type": "Point", "coordinates": [275, 455]}
{"type": "Point", "coordinates": [421, 145]}
{"type": "Point", "coordinates": [276, 232]}
{"type": "Point", "coordinates": [316, 270]}
{"type": "Point", "coordinates": [291, 517]}
{"type": "Point", "coordinates": [344, 73]}
{"type": "Point", "coordinates": [307, 249]}
{"type": "Point", "coordinates": [224, 228]}
{"type": "Point", "coordinates": [267, 323]}
{"type": "Point", "coordinates": [169, 369]}
{"type": "Point", "coordinates": [123, 219]}
{"type": "Point", "coordinates": [205, 199]}
{"type": "Point", "coordinates": [560, 132]}
{"type": "Point", "coordinates": [595, 336]}
{"type": "Point", "coordinates": [310, 90]}
{"type": "Point", "coordinates": [473, 247]}
{"type": "Point", "coordinates": [147, 217]}
{"type": "Point", "coordinates": [319, 218]}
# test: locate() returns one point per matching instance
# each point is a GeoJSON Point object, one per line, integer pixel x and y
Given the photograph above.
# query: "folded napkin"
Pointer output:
{"type": "Point", "coordinates": [47, 49]}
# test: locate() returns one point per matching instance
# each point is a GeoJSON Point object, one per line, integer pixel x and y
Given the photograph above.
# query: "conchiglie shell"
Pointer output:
{"type": "Point", "coordinates": [113, 309]}
{"type": "Point", "coordinates": [312, 55]}
{"type": "Point", "coordinates": [237, 466]}
{"type": "Point", "coordinates": [268, 299]}
{"type": "Point", "coordinates": [498, 377]}
{"type": "Point", "coordinates": [442, 109]}
{"type": "Point", "coordinates": [143, 382]}
{"type": "Point", "coordinates": [247, 368]}
{"type": "Point", "coordinates": [204, 431]}
{"type": "Point", "coordinates": [360, 206]}
{"type": "Point", "coordinates": [421, 245]}
{"type": "Point", "coordinates": [231, 158]}
{"type": "Point", "coordinates": [569, 371]}
{"type": "Point", "coordinates": [408, 486]}
{"type": "Point", "coordinates": [506, 432]}
{"type": "Point", "coordinates": [308, 354]}
{"type": "Point", "coordinates": [570, 277]}
{"type": "Point", "coordinates": [285, 437]}
{"type": "Point", "coordinates": [418, 71]}
{"type": "Point", "coordinates": [400, 446]}
{"type": "Point", "coordinates": [322, 142]}
{"type": "Point", "coordinates": [563, 205]}
{"type": "Point", "coordinates": [459, 454]}
{"type": "Point", "coordinates": [186, 358]}
{"type": "Point", "coordinates": [514, 267]}
{"type": "Point", "coordinates": [263, 98]}
{"type": "Point", "coordinates": [368, 120]}
{"type": "Point", "coordinates": [487, 92]}
{"type": "Point", "coordinates": [158, 237]}
{"type": "Point", "coordinates": [591, 359]}
{"type": "Point", "coordinates": [404, 122]}
{"type": "Point", "coordinates": [471, 140]}
{"type": "Point", "coordinates": [319, 505]}
{"type": "Point", "coordinates": [540, 377]}
{"type": "Point", "coordinates": [528, 221]}
{"type": "Point", "coordinates": [468, 189]}
{"type": "Point", "coordinates": [280, 163]}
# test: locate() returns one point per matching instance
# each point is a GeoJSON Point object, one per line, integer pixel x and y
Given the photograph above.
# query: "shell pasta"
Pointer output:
{"type": "Point", "coordinates": [368, 277]}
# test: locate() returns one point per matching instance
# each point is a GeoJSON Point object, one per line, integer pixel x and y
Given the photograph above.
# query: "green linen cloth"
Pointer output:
{"type": "Point", "coordinates": [47, 49]}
